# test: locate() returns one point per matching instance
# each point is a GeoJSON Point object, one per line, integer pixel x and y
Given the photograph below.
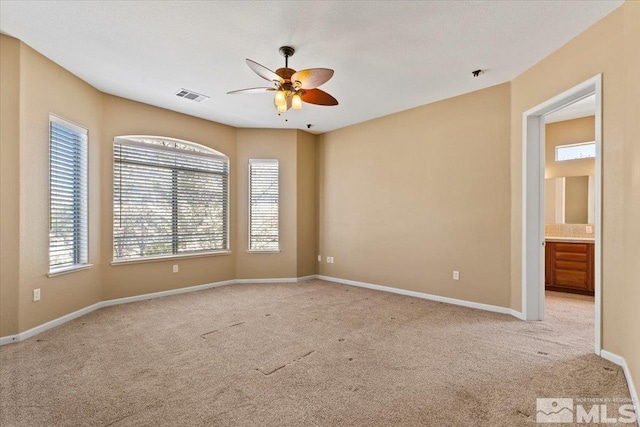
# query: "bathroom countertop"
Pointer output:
{"type": "Point", "coordinates": [569, 239]}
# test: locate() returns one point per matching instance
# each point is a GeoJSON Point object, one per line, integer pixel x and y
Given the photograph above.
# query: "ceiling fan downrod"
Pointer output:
{"type": "Point", "coordinates": [286, 51]}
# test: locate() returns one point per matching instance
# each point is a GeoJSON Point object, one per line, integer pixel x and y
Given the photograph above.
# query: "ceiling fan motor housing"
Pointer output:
{"type": "Point", "coordinates": [285, 73]}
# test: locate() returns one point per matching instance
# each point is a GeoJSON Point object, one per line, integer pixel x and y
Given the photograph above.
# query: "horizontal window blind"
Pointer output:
{"type": "Point", "coordinates": [168, 200]}
{"type": "Point", "coordinates": [263, 205]}
{"type": "Point", "coordinates": [67, 194]}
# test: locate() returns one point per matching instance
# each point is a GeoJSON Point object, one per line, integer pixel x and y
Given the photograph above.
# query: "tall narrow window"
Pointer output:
{"type": "Point", "coordinates": [67, 195]}
{"type": "Point", "coordinates": [263, 205]}
{"type": "Point", "coordinates": [170, 198]}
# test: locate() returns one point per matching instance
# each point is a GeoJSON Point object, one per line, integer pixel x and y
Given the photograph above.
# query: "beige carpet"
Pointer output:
{"type": "Point", "coordinates": [308, 354]}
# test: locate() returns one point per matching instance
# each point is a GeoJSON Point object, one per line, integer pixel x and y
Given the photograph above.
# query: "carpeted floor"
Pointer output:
{"type": "Point", "coordinates": [307, 354]}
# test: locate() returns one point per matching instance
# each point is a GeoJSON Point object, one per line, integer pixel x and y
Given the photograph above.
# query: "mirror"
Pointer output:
{"type": "Point", "coordinates": [569, 200]}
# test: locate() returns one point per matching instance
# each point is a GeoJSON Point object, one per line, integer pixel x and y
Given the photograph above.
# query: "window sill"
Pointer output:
{"type": "Point", "coordinates": [169, 257]}
{"type": "Point", "coordinates": [257, 251]}
{"type": "Point", "coordinates": [67, 270]}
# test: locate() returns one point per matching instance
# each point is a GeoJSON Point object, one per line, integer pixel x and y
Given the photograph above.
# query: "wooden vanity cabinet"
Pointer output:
{"type": "Point", "coordinates": [569, 267]}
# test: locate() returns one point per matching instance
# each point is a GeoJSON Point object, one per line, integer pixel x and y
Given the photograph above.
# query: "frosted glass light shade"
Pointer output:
{"type": "Point", "coordinates": [296, 102]}
{"type": "Point", "coordinates": [280, 98]}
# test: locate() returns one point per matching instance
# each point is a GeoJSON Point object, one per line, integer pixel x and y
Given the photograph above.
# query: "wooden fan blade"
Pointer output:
{"type": "Point", "coordinates": [264, 72]}
{"type": "Point", "coordinates": [318, 97]}
{"type": "Point", "coordinates": [312, 78]}
{"type": "Point", "coordinates": [253, 90]}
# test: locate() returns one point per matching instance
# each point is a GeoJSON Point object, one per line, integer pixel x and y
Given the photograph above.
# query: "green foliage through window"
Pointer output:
{"type": "Point", "coordinates": [169, 198]}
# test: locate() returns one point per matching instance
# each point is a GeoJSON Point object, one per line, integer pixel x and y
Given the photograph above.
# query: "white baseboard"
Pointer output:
{"type": "Point", "coordinates": [614, 358]}
{"type": "Point", "coordinates": [517, 314]}
{"type": "Point", "coordinates": [620, 361]}
{"type": "Point", "coordinates": [126, 300]}
{"type": "Point", "coordinates": [464, 303]}
{"type": "Point", "coordinates": [143, 297]}
{"type": "Point", "coordinates": [59, 321]}
{"type": "Point", "coordinates": [275, 280]}
{"type": "Point", "coordinates": [279, 280]}
{"type": "Point", "coordinates": [51, 324]}
{"type": "Point", "coordinates": [8, 339]}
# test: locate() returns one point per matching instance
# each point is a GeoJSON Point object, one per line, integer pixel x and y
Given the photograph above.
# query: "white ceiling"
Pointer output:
{"type": "Point", "coordinates": [388, 56]}
{"type": "Point", "coordinates": [583, 108]}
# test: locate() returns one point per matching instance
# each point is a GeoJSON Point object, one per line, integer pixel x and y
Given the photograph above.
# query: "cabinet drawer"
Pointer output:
{"type": "Point", "coordinates": [571, 265]}
{"type": "Point", "coordinates": [572, 247]}
{"type": "Point", "coordinates": [571, 256]}
{"type": "Point", "coordinates": [571, 279]}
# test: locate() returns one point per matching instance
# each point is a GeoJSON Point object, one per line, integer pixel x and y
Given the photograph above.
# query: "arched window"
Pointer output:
{"type": "Point", "coordinates": [170, 198]}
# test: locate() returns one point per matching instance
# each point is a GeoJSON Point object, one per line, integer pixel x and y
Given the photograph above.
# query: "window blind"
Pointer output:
{"type": "Point", "coordinates": [263, 205]}
{"type": "Point", "coordinates": [67, 194]}
{"type": "Point", "coordinates": [168, 200]}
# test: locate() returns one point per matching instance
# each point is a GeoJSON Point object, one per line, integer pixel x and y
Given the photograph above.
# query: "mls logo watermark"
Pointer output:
{"type": "Point", "coordinates": [554, 410]}
{"type": "Point", "coordinates": [585, 410]}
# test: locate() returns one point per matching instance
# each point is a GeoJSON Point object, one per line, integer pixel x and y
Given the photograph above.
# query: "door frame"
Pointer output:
{"type": "Point", "coordinates": [533, 160]}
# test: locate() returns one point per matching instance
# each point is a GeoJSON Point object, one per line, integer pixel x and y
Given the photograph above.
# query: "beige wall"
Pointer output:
{"type": "Point", "coordinates": [47, 88]}
{"type": "Point", "coordinates": [32, 88]}
{"type": "Point", "coordinates": [408, 198]}
{"type": "Point", "coordinates": [9, 189]}
{"type": "Point", "coordinates": [623, 331]}
{"type": "Point", "coordinates": [306, 204]}
{"type": "Point", "coordinates": [608, 47]}
{"type": "Point", "coordinates": [597, 50]}
{"type": "Point", "coordinates": [568, 132]}
{"type": "Point", "coordinates": [124, 117]}
{"type": "Point", "coordinates": [295, 151]}
{"type": "Point", "coordinates": [267, 144]}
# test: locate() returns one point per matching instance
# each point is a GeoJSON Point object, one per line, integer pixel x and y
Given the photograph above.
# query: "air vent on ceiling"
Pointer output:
{"type": "Point", "coordinates": [194, 96]}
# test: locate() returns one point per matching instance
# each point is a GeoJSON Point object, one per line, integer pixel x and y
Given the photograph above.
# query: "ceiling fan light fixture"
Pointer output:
{"type": "Point", "coordinates": [296, 102]}
{"type": "Point", "coordinates": [292, 87]}
{"type": "Point", "coordinates": [281, 99]}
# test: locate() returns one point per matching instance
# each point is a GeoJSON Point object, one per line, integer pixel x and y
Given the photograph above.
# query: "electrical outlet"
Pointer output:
{"type": "Point", "coordinates": [175, 268]}
{"type": "Point", "coordinates": [589, 229]}
{"type": "Point", "coordinates": [456, 275]}
{"type": "Point", "coordinates": [330, 259]}
{"type": "Point", "coordinates": [319, 257]}
{"type": "Point", "coordinates": [36, 295]}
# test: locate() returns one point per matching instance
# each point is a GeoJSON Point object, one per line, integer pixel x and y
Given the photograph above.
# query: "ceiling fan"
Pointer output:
{"type": "Point", "coordinates": [292, 87]}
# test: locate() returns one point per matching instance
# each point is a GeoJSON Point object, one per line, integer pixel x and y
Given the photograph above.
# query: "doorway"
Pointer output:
{"type": "Point", "coordinates": [533, 219]}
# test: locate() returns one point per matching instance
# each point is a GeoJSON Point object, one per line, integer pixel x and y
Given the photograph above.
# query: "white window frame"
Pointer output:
{"type": "Point", "coordinates": [173, 144]}
{"type": "Point", "coordinates": [249, 206]}
{"type": "Point", "coordinates": [559, 147]}
{"type": "Point", "coordinates": [81, 247]}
